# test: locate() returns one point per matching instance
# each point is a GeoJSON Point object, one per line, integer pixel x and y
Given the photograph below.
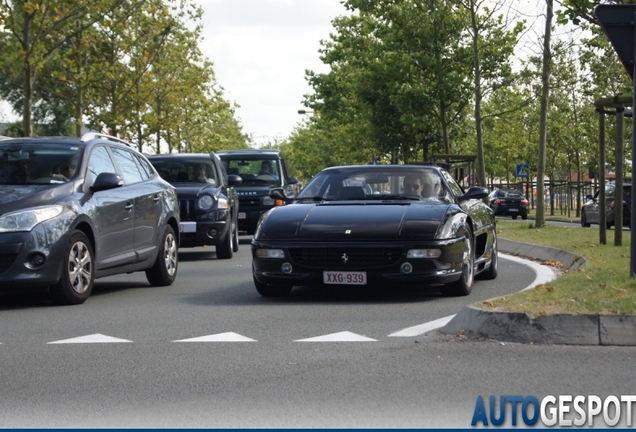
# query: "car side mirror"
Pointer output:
{"type": "Point", "coordinates": [279, 194]}
{"type": "Point", "coordinates": [106, 180]}
{"type": "Point", "coordinates": [475, 192]}
{"type": "Point", "coordinates": [589, 197]}
{"type": "Point", "coordinates": [292, 180]}
{"type": "Point", "coordinates": [234, 180]}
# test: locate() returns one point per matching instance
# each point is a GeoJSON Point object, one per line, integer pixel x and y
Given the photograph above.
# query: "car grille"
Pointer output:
{"type": "Point", "coordinates": [345, 257]}
{"type": "Point", "coordinates": [249, 203]}
{"type": "Point", "coordinates": [186, 210]}
{"type": "Point", "coordinates": [6, 260]}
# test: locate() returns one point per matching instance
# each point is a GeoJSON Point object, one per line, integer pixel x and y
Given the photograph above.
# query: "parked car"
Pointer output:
{"type": "Point", "coordinates": [252, 166]}
{"type": "Point", "coordinates": [73, 210]}
{"type": "Point", "coordinates": [590, 213]}
{"type": "Point", "coordinates": [508, 202]}
{"type": "Point", "coordinates": [422, 233]}
{"type": "Point", "coordinates": [208, 202]}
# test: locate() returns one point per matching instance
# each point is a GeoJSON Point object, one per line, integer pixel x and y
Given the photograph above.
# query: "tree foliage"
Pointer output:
{"type": "Point", "coordinates": [132, 68]}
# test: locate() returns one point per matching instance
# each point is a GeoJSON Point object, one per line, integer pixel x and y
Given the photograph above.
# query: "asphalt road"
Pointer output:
{"type": "Point", "coordinates": [209, 352]}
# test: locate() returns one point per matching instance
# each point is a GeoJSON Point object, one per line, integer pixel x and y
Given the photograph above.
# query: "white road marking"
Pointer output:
{"type": "Point", "coordinates": [345, 336]}
{"type": "Point", "coordinates": [221, 337]}
{"type": "Point", "coordinates": [422, 328]}
{"type": "Point", "coordinates": [94, 338]}
{"type": "Point", "coordinates": [543, 273]}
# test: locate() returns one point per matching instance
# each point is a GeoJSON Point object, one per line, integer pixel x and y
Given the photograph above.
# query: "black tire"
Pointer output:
{"type": "Point", "coordinates": [493, 269]}
{"type": "Point", "coordinates": [272, 290]}
{"type": "Point", "coordinates": [608, 225]}
{"type": "Point", "coordinates": [464, 285]}
{"type": "Point", "coordinates": [524, 217]}
{"type": "Point", "coordinates": [235, 237]}
{"type": "Point", "coordinates": [584, 222]}
{"type": "Point", "coordinates": [164, 270]}
{"type": "Point", "coordinates": [78, 274]}
{"type": "Point", "coordinates": [514, 217]}
{"type": "Point", "coordinates": [225, 250]}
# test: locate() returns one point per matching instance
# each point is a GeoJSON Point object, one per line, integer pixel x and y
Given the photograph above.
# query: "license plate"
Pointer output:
{"type": "Point", "coordinates": [241, 215]}
{"type": "Point", "coordinates": [512, 209]}
{"type": "Point", "coordinates": [188, 227]}
{"type": "Point", "coordinates": [344, 278]}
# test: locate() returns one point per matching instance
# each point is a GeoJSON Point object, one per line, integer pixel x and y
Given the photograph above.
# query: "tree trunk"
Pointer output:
{"type": "Point", "coordinates": [543, 120]}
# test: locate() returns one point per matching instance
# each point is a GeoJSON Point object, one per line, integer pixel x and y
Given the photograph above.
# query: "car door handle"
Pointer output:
{"type": "Point", "coordinates": [129, 207]}
{"type": "Point", "coordinates": [156, 198]}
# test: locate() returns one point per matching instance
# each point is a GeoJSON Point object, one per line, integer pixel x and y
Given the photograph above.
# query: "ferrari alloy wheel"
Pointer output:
{"type": "Point", "coordinates": [164, 270]}
{"type": "Point", "coordinates": [76, 283]}
{"type": "Point", "coordinates": [464, 285]}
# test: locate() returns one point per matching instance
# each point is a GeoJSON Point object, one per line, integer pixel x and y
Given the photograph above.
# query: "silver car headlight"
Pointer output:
{"type": "Point", "coordinates": [206, 202]}
{"type": "Point", "coordinates": [25, 220]}
{"type": "Point", "coordinates": [268, 201]}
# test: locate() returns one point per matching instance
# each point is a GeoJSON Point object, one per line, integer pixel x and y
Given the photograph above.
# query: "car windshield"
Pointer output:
{"type": "Point", "coordinates": [419, 183]}
{"type": "Point", "coordinates": [186, 170]}
{"type": "Point", "coordinates": [506, 193]}
{"type": "Point", "coordinates": [254, 171]}
{"type": "Point", "coordinates": [38, 163]}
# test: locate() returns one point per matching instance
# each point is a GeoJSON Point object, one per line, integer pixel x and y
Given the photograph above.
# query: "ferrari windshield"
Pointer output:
{"type": "Point", "coordinates": [376, 183]}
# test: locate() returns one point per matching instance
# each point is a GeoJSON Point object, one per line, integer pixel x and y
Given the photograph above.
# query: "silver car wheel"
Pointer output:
{"type": "Point", "coordinates": [80, 267]}
{"type": "Point", "coordinates": [170, 254]}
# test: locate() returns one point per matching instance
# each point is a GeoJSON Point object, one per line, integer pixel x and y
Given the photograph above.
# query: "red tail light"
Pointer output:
{"type": "Point", "coordinates": [524, 202]}
{"type": "Point", "coordinates": [500, 201]}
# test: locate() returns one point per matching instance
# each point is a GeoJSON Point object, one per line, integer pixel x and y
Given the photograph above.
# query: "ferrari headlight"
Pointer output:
{"type": "Point", "coordinates": [270, 253]}
{"type": "Point", "coordinates": [25, 220]}
{"type": "Point", "coordinates": [452, 227]}
{"type": "Point", "coordinates": [206, 202]}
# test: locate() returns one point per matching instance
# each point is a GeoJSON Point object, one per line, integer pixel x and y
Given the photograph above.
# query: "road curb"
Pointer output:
{"type": "Point", "coordinates": [564, 329]}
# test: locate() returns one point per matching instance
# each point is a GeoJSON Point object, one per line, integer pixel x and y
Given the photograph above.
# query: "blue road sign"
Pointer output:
{"type": "Point", "coordinates": [523, 170]}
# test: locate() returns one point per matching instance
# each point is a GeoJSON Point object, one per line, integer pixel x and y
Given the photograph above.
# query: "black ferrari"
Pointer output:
{"type": "Point", "coordinates": [382, 225]}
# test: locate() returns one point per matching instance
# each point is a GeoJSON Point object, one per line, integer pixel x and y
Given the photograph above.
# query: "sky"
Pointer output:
{"type": "Point", "coordinates": [260, 50]}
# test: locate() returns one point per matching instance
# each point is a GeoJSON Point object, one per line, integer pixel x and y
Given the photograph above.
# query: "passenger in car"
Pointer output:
{"type": "Point", "coordinates": [201, 173]}
{"type": "Point", "coordinates": [66, 169]}
{"type": "Point", "coordinates": [422, 185]}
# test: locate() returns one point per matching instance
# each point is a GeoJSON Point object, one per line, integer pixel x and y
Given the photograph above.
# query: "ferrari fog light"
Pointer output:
{"type": "Point", "coordinates": [286, 268]}
{"type": "Point", "coordinates": [424, 253]}
{"type": "Point", "coordinates": [212, 233]}
{"type": "Point", "coordinates": [406, 268]}
{"type": "Point", "coordinates": [270, 253]}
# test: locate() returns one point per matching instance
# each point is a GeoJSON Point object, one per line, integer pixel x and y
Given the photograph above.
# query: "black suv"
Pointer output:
{"type": "Point", "coordinates": [261, 171]}
{"type": "Point", "coordinates": [208, 202]}
{"type": "Point", "coordinates": [73, 210]}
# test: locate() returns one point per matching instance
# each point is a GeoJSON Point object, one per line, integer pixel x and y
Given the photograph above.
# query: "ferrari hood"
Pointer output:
{"type": "Point", "coordinates": [353, 221]}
